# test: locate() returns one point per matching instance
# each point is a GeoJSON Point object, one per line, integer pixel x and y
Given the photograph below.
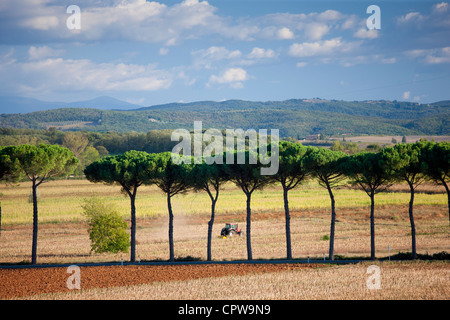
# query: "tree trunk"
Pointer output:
{"type": "Point", "coordinates": [35, 224]}
{"type": "Point", "coordinates": [169, 207]}
{"type": "Point", "coordinates": [372, 225]}
{"type": "Point", "coordinates": [210, 228]}
{"type": "Point", "coordinates": [333, 221]}
{"type": "Point", "coordinates": [288, 224]}
{"type": "Point", "coordinates": [248, 230]}
{"type": "Point", "coordinates": [133, 228]}
{"type": "Point", "coordinates": [0, 220]}
{"type": "Point", "coordinates": [411, 220]}
{"type": "Point", "coordinates": [448, 198]}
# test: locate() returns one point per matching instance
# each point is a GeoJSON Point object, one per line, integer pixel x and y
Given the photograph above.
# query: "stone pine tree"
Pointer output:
{"type": "Point", "coordinates": [172, 178]}
{"type": "Point", "coordinates": [39, 164]}
{"type": "Point", "coordinates": [326, 166]}
{"type": "Point", "coordinates": [407, 161]}
{"type": "Point", "coordinates": [291, 173]}
{"type": "Point", "coordinates": [248, 177]}
{"type": "Point", "coordinates": [209, 178]}
{"type": "Point", "coordinates": [373, 174]}
{"type": "Point", "coordinates": [436, 165]}
{"type": "Point", "coordinates": [4, 169]}
{"type": "Point", "coordinates": [129, 170]}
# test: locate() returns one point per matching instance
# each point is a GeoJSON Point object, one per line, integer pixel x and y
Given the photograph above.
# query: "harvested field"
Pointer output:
{"type": "Point", "coordinates": [16, 283]}
{"type": "Point", "coordinates": [399, 281]}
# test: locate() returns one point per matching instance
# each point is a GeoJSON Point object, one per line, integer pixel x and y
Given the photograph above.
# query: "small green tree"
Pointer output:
{"type": "Point", "coordinates": [88, 156]}
{"type": "Point", "coordinates": [107, 229]}
{"type": "Point", "coordinates": [337, 146]}
{"type": "Point", "coordinates": [75, 142]}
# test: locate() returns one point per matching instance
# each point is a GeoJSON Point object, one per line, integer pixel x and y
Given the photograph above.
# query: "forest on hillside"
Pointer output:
{"type": "Point", "coordinates": [91, 146]}
{"type": "Point", "coordinates": [294, 118]}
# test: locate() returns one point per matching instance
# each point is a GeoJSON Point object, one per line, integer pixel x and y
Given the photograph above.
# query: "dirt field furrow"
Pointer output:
{"type": "Point", "coordinates": [16, 283]}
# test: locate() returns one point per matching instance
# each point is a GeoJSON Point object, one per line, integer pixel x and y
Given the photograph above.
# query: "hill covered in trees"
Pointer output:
{"type": "Point", "coordinates": [295, 118]}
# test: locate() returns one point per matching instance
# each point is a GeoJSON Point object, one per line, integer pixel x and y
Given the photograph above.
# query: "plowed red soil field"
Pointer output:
{"type": "Point", "coordinates": [16, 283]}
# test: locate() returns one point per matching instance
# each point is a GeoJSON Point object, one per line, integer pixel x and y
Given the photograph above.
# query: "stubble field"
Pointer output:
{"type": "Point", "coordinates": [63, 238]}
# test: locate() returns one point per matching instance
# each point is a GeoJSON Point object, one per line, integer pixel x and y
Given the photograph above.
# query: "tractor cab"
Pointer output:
{"type": "Point", "coordinates": [230, 230]}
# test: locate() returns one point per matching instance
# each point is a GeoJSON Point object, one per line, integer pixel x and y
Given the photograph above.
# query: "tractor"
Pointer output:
{"type": "Point", "coordinates": [231, 229]}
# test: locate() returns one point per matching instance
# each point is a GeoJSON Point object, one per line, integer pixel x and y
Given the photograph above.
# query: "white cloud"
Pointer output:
{"type": "Point", "coordinates": [131, 20]}
{"type": "Point", "coordinates": [39, 53]}
{"type": "Point", "coordinates": [436, 56]}
{"type": "Point", "coordinates": [440, 7]}
{"type": "Point", "coordinates": [156, 22]}
{"type": "Point", "coordinates": [30, 14]}
{"type": "Point", "coordinates": [192, 2]}
{"type": "Point", "coordinates": [388, 60]}
{"type": "Point", "coordinates": [350, 61]}
{"type": "Point", "coordinates": [319, 48]}
{"type": "Point", "coordinates": [301, 64]}
{"type": "Point", "coordinates": [430, 56]}
{"type": "Point", "coordinates": [349, 23]}
{"type": "Point", "coordinates": [330, 15]}
{"type": "Point", "coordinates": [220, 53]}
{"type": "Point", "coordinates": [311, 26]}
{"type": "Point", "coordinates": [316, 31]}
{"type": "Point", "coordinates": [241, 32]}
{"type": "Point", "coordinates": [214, 57]}
{"type": "Point", "coordinates": [206, 57]}
{"type": "Point", "coordinates": [163, 51]}
{"type": "Point", "coordinates": [285, 33]}
{"type": "Point", "coordinates": [41, 23]}
{"type": "Point", "coordinates": [233, 77]}
{"type": "Point", "coordinates": [56, 75]}
{"type": "Point", "coordinates": [410, 17]}
{"type": "Point", "coordinates": [364, 33]}
{"type": "Point", "coordinates": [437, 19]}
{"type": "Point", "coordinates": [260, 53]}
{"type": "Point", "coordinates": [416, 53]}
{"type": "Point", "coordinates": [406, 95]}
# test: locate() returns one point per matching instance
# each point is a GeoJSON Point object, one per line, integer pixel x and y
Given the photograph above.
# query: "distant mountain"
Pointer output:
{"type": "Point", "coordinates": [13, 104]}
{"type": "Point", "coordinates": [294, 118]}
{"type": "Point", "coordinates": [104, 103]}
{"type": "Point", "coordinates": [372, 108]}
{"type": "Point", "coordinates": [24, 105]}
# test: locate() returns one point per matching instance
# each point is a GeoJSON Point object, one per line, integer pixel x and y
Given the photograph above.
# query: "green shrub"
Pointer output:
{"type": "Point", "coordinates": [107, 229]}
{"type": "Point", "coordinates": [325, 238]}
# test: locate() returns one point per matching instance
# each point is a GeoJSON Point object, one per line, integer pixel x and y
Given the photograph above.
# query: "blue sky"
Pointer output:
{"type": "Point", "coordinates": [170, 51]}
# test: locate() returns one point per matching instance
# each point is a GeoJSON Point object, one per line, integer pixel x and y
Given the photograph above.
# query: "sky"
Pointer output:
{"type": "Point", "coordinates": [150, 53]}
